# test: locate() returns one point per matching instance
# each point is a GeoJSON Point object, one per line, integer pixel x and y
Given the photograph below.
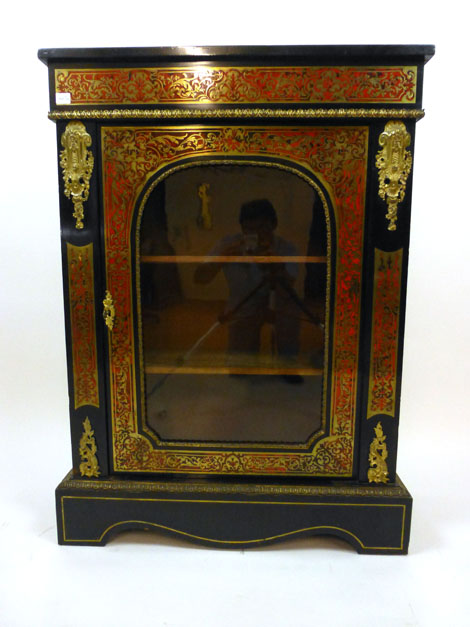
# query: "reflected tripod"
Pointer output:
{"type": "Point", "coordinates": [272, 278]}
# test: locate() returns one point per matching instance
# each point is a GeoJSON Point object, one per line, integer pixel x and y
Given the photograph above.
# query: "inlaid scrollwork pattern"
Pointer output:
{"type": "Point", "coordinates": [77, 163]}
{"type": "Point", "coordinates": [337, 154]}
{"type": "Point", "coordinates": [394, 165]}
{"type": "Point", "coordinates": [238, 85]}
{"type": "Point", "coordinates": [385, 326]}
{"type": "Point", "coordinates": [82, 325]}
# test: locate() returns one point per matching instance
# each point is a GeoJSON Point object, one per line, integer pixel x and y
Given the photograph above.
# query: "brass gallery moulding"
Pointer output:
{"type": "Point", "coordinates": [165, 114]}
{"type": "Point", "coordinates": [339, 489]}
{"type": "Point", "coordinates": [203, 84]}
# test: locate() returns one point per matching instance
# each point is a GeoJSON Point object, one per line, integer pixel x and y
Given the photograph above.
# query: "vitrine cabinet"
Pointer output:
{"type": "Point", "coordinates": [235, 228]}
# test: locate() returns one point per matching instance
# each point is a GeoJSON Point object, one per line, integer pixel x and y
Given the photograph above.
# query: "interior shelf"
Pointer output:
{"type": "Point", "coordinates": [230, 259]}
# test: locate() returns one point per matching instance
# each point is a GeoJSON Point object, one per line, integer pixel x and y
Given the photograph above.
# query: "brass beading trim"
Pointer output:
{"type": "Point", "coordinates": [113, 484]}
{"type": "Point", "coordinates": [310, 113]}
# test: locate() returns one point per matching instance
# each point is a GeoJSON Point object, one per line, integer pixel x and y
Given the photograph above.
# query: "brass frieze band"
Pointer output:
{"type": "Point", "coordinates": [82, 325]}
{"type": "Point", "coordinates": [378, 471]}
{"type": "Point", "coordinates": [207, 84]}
{"type": "Point", "coordinates": [89, 466]}
{"type": "Point", "coordinates": [77, 165]}
{"type": "Point", "coordinates": [393, 162]}
{"type": "Point", "coordinates": [180, 113]}
{"type": "Point", "coordinates": [385, 324]}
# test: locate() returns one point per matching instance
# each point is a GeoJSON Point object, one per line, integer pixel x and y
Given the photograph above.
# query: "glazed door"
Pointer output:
{"type": "Point", "coordinates": [233, 262]}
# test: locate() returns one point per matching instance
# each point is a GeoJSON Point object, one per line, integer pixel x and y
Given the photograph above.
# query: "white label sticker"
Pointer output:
{"type": "Point", "coordinates": [63, 99]}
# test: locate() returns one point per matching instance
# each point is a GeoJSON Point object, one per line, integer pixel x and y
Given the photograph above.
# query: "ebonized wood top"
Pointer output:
{"type": "Point", "coordinates": [360, 54]}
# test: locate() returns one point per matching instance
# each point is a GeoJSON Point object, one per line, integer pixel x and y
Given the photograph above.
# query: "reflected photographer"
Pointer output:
{"type": "Point", "coordinates": [260, 290]}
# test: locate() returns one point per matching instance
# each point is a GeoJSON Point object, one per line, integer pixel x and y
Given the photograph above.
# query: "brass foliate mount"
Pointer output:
{"type": "Point", "coordinates": [393, 162]}
{"type": "Point", "coordinates": [77, 165]}
{"type": "Point", "coordinates": [109, 311]}
{"type": "Point", "coordinates": [204, 220]}
{"type": "Point", "coordinates": [89, 466]}
{"type": "Point", "coordinates": [378, 471]}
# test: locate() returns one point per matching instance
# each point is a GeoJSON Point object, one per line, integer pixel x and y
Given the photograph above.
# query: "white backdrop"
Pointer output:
{"type": "Point", "coordinates": [152, 580]}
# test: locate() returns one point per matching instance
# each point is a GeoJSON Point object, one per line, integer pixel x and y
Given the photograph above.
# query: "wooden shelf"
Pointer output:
{"type": "Point", "coordinates": [230, 259]}
{"type": "Point", "coordinates": [157, 369]}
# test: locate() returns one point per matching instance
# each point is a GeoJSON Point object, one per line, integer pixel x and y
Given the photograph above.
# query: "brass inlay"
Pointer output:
{"type": "Point", "coordinates": [77, 165]}
{"type": "Point", "coordinates": [400, 506]}
{"type": "Point", "coordinates": [384, 340]}
{"type": "Point", "coordinates": [202, 83]}
{"type": "Point", "coordinates": [332, 456]}
{"type": "Point", "coordinates": [378, 471]}
{"type": "Point", "coordinates": [109, 311]}
{"type": "Point", "coordinates": [393, 162]}
{"type": "Point", "coordinates": [82, 325]}
{"type": "Point", "coordinates": [320, 113]}
{"type": "Point", "coordinates": [89, 466]}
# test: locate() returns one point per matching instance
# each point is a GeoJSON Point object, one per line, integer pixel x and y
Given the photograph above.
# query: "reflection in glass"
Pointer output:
{"type": "Point", "coordinates": [233, 290]}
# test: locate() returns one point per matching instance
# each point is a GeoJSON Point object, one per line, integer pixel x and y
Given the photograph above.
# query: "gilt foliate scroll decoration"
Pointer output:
{"type": "Point", "coordinates": [77, 163]}
{"type": "Point", "coordinates": [109, 311]}
{"type": "Point", "coordinates": [89, 466]}
{"type": "Point", "coordinates": [393, 162]}
{"type": "Point", "coordinates": [378, 471]}
{"type": "Point", "coordinates": [204, 220]}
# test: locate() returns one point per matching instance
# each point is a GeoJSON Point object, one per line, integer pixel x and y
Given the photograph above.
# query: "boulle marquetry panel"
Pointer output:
{"type": "Point", "coordinates": [82, 324]}
{"type": "Point", "coordinates": [225, 85]}
{"type": "Point", "coordinates": [385, 325]}
{"type": "Point", "coordinates": [236, 228]}
{"type": "Point", "coordinates": [317, 151]}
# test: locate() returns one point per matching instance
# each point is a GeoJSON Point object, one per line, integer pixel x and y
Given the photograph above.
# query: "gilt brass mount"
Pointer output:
{"type": "Point", "coordinates": [109, 312]}
{"type": "Point", "coordinates": [77, 165]}
{"type": "Point", "coordinates": [89, 466]}
{"type": "Point", "coordinates": [378, 471]}
{"type": "Point", "coordinates": [394, 164]}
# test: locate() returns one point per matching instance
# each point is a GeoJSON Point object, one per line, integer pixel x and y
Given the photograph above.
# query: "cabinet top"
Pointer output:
{"type": "Point", "coordinates": [272, 54]}
{"type": "Point", "coordinates": [95, 79]}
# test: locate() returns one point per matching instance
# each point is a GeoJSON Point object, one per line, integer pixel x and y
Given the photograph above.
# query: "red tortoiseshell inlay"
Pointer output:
{"type": "Point", "coordinates": [385, 321]}
{"type": "Point", "coordinates": [82, 325]}
{"type": "Point", "coordinates": [228, 85]}
{"type": "Point", "coordinates": [336, 154]}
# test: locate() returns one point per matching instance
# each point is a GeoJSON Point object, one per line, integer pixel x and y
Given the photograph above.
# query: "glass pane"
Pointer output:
{"type": "Point", "coordinates": [233, 290]}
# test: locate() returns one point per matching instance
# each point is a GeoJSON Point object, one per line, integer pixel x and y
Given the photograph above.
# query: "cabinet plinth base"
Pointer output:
{"type": "Point", "coordinates": [373, 519]}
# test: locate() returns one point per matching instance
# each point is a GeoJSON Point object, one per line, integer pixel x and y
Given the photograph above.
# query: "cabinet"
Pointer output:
{"type": "Point", "coordinates": [235, 228]}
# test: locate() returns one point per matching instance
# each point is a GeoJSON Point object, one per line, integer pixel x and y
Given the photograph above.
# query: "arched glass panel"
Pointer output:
{"type": "Point", "coordinates": [233, 287]}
